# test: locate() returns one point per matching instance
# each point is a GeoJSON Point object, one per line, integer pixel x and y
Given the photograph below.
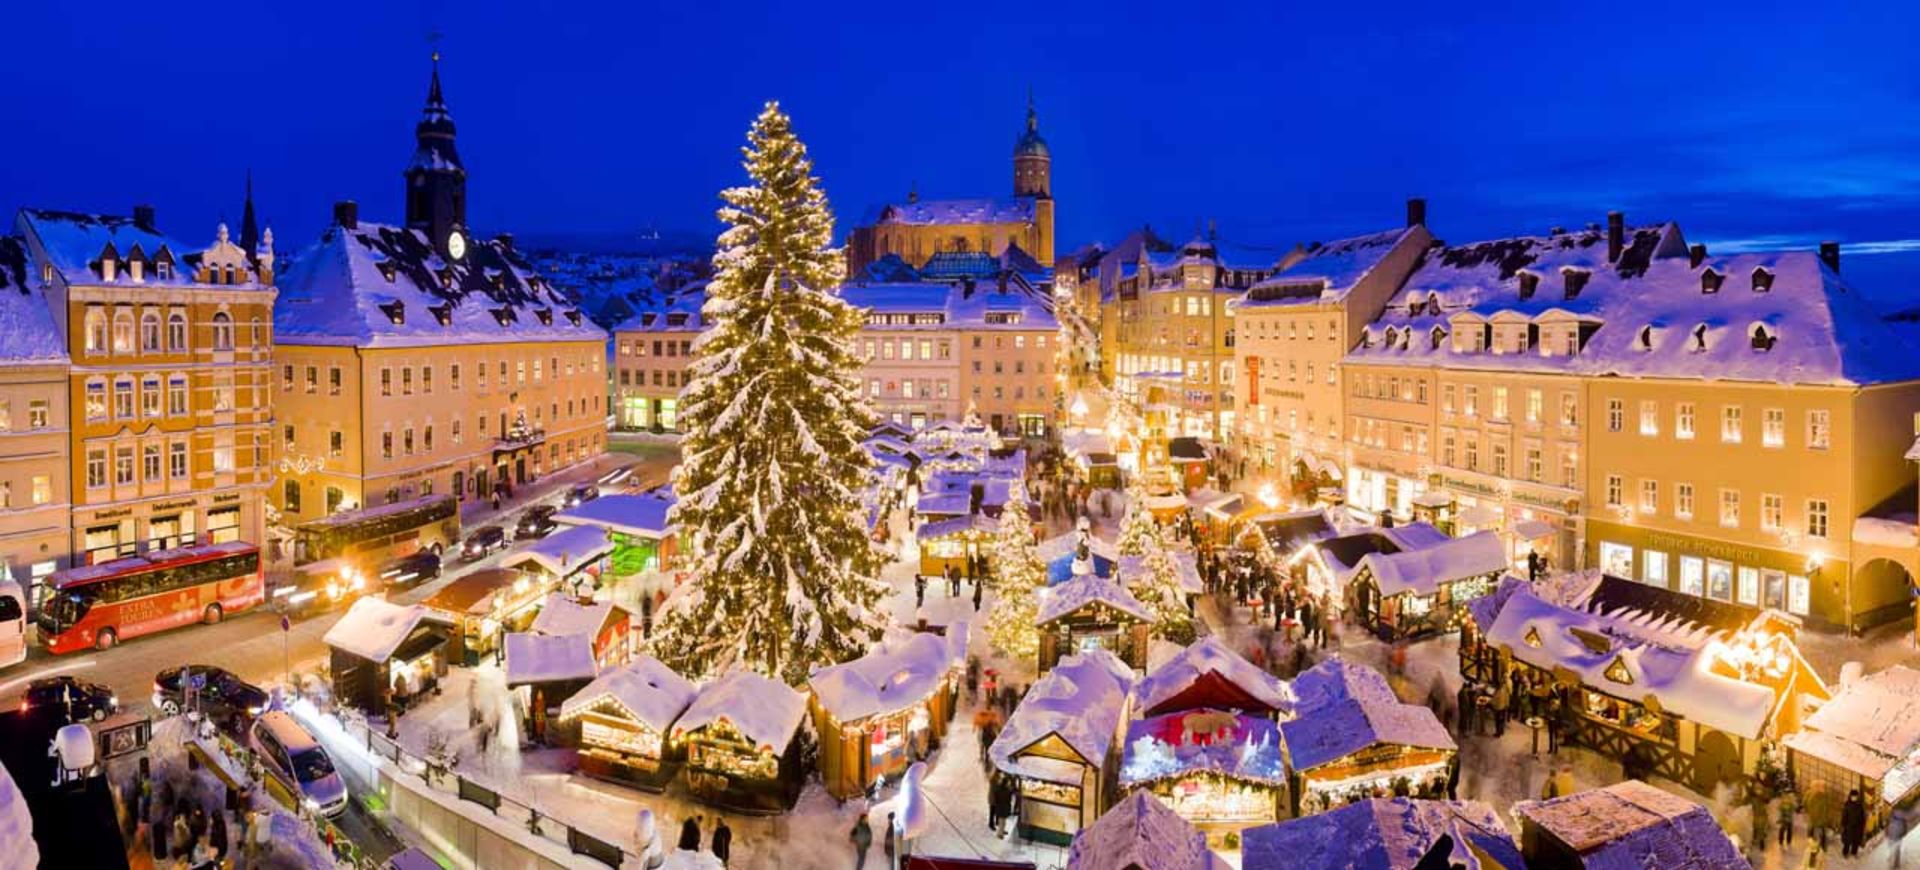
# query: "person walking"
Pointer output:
{"type": "Point", "coordinates": [1853, 824]}
{"type": "Point", "coordinates": [690, 834]}
{"type": "Point", "coordinates": [920, 591]}
{"type": "Point", "coordinates": [1820, 814]}
{"type": "Point", "coordinates": [862, 837]}
{"type": "Point", "coordinates": [722, 843]}
{"type": "Point", "coordinates": [978, 587]}
{"type": "Point", "coordinates": [953, 584]}
{"type": "Point", "coordinates": [1789, 807]}
{"type": "Point", "coordinates": [993, 803]}
{"type": "Point", "coordinates": [1500, 700]}
{"type": "Point", "coordinates": [892, 847]}
{"type": "Point", "coordinates": [1896, 832]}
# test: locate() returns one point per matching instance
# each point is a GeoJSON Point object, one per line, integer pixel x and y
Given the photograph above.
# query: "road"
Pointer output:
{"type": "Point", "coordinates": [252, 644]}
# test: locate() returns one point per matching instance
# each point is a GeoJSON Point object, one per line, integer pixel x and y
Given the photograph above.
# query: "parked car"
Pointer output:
{"type": "Point", "coordinates": [71, 698]}
{"type": "Point", "coordinates": [299, 762]}
{"type": "Point", "coordinates": [537, 522]}
{"type": "Point", "coordinates": [218, 691]}
{"type": "Point", "coordinates": [581, 492]}
{"type": "Point", "coordinates": [412, 569]}
{"type": "Point", "coordinates": [484, 540]}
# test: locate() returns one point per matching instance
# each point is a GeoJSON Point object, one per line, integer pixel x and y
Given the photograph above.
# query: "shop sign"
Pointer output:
{"type": "Point", "coordinates": [1285, 394]}
{"type": "Point", "coordinates": [226, 497]}
{"type": "Point", "coordinates": [1472, 486]}
{"type": "Point", "coordinates": [174, 505]}
{"type": "Point", "coordinates": [115, 513]}
{"type": "Point", "coordinates": [1700, 547]}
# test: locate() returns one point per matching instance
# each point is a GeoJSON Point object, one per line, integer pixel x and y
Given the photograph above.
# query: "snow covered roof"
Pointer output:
{"type": "Point", "coordinates": [955, 525]}
{"type": "Point", "coordinates": [1631, 825]}
{"type": "Point", "coordinates": [1241, 746]}
{"type": "Point", "coordinates": [1651, 313]}
{"type": "Point", "coordinates": [651, 693]}
{"type": "Point", "coordinates": [896, 675]}
{"type": "Point", "coordinates": [1141, 832]}
{"type": "Point", "coordinates": [338, 292]}
{"type": "Point", "coordinates": [1871, 726]}
{"type": "Point", "coordinates": [561, 615]}
{"type": "Point", "coordinates": [564, 551]}
{"type": "Point", "coordinates": [544, 658]}
{"type": "Point", "coordinates": [952, 212]}
{"type": "Point", "coordinates": [1344, 707]}
{"type": "Point", "coordinates": [766, 710]}
{"type": "Point", "coordinates": [1081, 700]}
{"type": "Point", "coordinates": [74, 243]}
{"type": "Point", "coordinates": [27, 332]}
{"type": "Point", "coordinates": [957, 306]}
{"type": "Point", "coordinates": [680, 312]}
{"type": "Point", "coordinates": [1385, 834]}
{"type": "Point", "coordinates": [1326, 272]}
{"type": "Point", "coordinates": [1067, 598]}
{"type": "Point", "coordinates": [372, 628]}
{"type": "Point", "coordinates": [1423, 571]}
{"type": "Point", "coordinates": [1287, 532]}
{"type": "Point", "coordinates": [644, 514]}
{"type": "Point", "coordinates": [1201, 658]}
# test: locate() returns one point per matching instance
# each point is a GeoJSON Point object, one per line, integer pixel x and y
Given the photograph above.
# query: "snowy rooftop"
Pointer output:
{"type": "Point", "coordinates": [985, 306]}
{"type": "Point", "coordinates": [896, 675]}
{"type": "Point", "coordinates": [1327, 272]}
{"type": "Point", "coordinates": [1084, 591]}
{"type": "Point", "coordinates": [1240, 746]}
{"type": "Point", "coordinates": [1423, 571]}
{"type": "Point", "coordinates": [1205, 658]}
{"type": "Point", "coordinates": [651, 693]}
{"type": "Point", "coordinates": [566, 550]}
{"type": "Point", "coordinates": [338, 293]}
{"type": "Point", "coordinates": [1287, 532]}
{"type": "Point", "coordinates": [1344, 707]}
{"type": "Point", "coordinates": [1081, 700]}
{"type": "Point", "coordinates": [1871, 726]}
{"type": "Point", "coordinates": [682, 312]}
{"type": "Point", "coordinates": [561, 615]}
{"type": "Point", "coordinates": [74, 243]}
{"type": "Point", "coordinates": [766, 710]}
{"type": "Point", "coordinates": [1631, 825]}
{"type": "Point", "coordinates": [372, 628]}
{"type": "Point", "coordinates": [1142, 832]}
{"type": "Point", "coordinates": [644, 514]}
{"type": "Point", "coordinates": [542, 658]}
{"type": "Point", "coordinates": [1013, 210]}
{"type": "Point", "coordinates": [27, 333]}
{"type": "Point", "coordinates": [938, 529]}
{"type": "Point", "coordinates": [1385, 834]}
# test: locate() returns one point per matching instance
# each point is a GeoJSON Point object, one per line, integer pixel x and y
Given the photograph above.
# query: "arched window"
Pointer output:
{"type": "Point", "coordinates": [150, 332]}
{"type": "Point", "coordinates": [96, 330]}
{"type": "Point", "coordinates": [177, 332]}
{"type": "Point", "coordinates": [222, 331]}
{"type": "Point", "coordinates": [123, 331]}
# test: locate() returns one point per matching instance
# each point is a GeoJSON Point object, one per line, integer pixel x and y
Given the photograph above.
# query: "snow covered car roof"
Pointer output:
{"type": "Point", "coordinates": [1200, 660]}
{"type": "Point", "coordinates": [650, 692]}
{"type": "Point", "coordinates": [1385, 834]}
{"type": "Point", "coordinates": [1081, 700]}
{"type": "Point", "coordinates": [765, 710]}
{"type": "Point", "coordinates": [896, 675]}
{"type": "Point", "coordinates": [1632, 825]}
{"type": "Point", "coordinates": [545, 658]}
{"type": "Point", "coordinates": [1343, 707]}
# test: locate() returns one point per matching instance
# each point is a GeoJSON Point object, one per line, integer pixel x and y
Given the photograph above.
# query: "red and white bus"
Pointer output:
{"type": "Point", "coordinates": [97, 606]}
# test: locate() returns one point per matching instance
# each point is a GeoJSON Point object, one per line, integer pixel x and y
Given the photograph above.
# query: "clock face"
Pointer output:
{"type": "Point", "coordinates": [456, 245]}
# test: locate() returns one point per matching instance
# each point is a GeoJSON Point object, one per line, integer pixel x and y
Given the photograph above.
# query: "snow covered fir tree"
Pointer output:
{"type": "Point", "coordinates": [784, 575]}
{"type": "Point", "coordinates": [1018, 574]}
{"type": "Point", "coordinates": [1139, 532]}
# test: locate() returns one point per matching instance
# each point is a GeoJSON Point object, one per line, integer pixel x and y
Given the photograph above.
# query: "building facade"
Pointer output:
{"type": "Point", "coordinates": [653, 349]}
{"type": "Point", "coordinates": [35, 478]}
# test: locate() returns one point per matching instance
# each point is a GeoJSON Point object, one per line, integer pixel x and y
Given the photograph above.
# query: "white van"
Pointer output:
{"type": "Point", "coordinates": [13, 624]}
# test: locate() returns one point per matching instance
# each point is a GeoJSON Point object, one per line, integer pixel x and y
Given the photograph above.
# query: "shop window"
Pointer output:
{"type": "Point", "coordinates": [1693, 575]}
{"type": "Point", "coordinates": [1616, 559]}
{"type": "Point", "coordinates": [1653, 568]}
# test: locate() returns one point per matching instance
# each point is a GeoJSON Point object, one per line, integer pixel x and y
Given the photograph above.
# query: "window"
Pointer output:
{"type": "Point", "coordinates": [1773, 427]}
{"type": "Point", "coordinates": [1473, 452]}
{"type": "Point", "coordinates": [1500, 459]}
{"type": "Point", "coordinates": [1569, 410]}
{"type": "Point", "coordinates": [42, 489]}
{"type": "Point", "coordinates": [123, 399]}
{"type": "Point", "coordinates": [1683, 500]}
{"type": "Point", "coordinates": [123, 331]}
{"type": "Point", "coordinates": [1653, 568]}
{"type": "Point", "coordinates": [456, 431]}
{"type": "Point", "coordinates": [1649, 417]}
{"type": "Point", "coordinates": [222, 331]}
{"type": "Point", "coordinates": [1649, 496]}
{"type": "Point", "coordinates": [1771, 510]}
{"type": "Point", "coordinates": [1614, 486]}
{"type": "Point", "coordinates": [386, 382]}
{"type": "Point", "coordinates": [1693, 575]}
{"type": "Point", "coordinates": [453, 375]}
{"type": "Point", "coordinates": [39, 414]}
{"type": "Point", "coordinates": [1446, 447]}
{"type": "Point", "coordinates": [1730, 508]}
{"type": "Point", "coordinates": [1799, 594]}
{"type": "Point", "coordinates": [406, 381]}
{"type": "Point", "coordinates": [96, 468]}
{"type": "Point", "coordinates": [1569, 468]}
{"type": "Point", "coordinates": [150, 332]}
{"type": "Point", "coordinates": [1747, 590]}
{"type": "Point", "coordinates": [1683, 421]}
{"type": "Point", "coordinates": [336, 443]}
{"type": "Point", "coordinates": [1816, 518]}
{"type": "Point", "coordinates": [1719, 580]}
{"type": "Point", "coordinates": [1616, 559]}
{"type": "Point", "coordinates": [386, 445]}
{"type": "Point", "coordinates": [333, 381]}
{"type": "Point", "coordinates": [177, 332]}
{"type": "Point", "coordinates": [426, 438]}
{"type": "Point", "coordinates": [123, 465]}
{"type": "Point", "coordinates": [150, 396]}
{"type": "Point", "coordinates": [426, 379]}
{"type": "Point", "coordinates": [1472, 404]}
{"type": "Point", "coordinates": [177, 460]}
{"type": "Point", "coordinates": [177, 396]}
{"type": "Point", "coordinates": [1730, 424]}
{"type": "Point", "coordinates": [1499, 403]}
{"type": "Point", "coordinates": [1819, 429]}
{"type": "Point", "coordinates": [96, 330]}
{"type": "Point", "coordinates": [1446, 398]}
{"type": "Point", "coordinates": [150, 463]}
{"type": "Point", "coordinates": [96, 400]}
{"type": "Point", "coordinates": [1535, 405]}
{"type": "Point", "coordinates": [1536, 467]}
{"type": "Point", "coordinates": [291, 498]}
{"type": "Point", "coordinates": [1616, 414]}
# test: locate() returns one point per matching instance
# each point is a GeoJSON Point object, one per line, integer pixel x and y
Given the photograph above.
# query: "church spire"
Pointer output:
{"type": "Point", "coordinates": [249, 225]}
{"type": "Point", "coordinates": [436, 179]}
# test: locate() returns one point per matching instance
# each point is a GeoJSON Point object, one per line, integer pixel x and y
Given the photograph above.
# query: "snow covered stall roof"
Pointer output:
{"type": "Point", "coordinates": [1871, 727]}
{"type": "Point", "coordinates": [1066, 599]}
{"type": "Point", "coordinates": [1423, 571]}
{"type": "Point", "coordinates": [562, 615]}
{"type": "Point", "coordinates": [1344, 707]}
{"type": "Point", "coordinates": [643, 515]}
{"type": "Point", "coordinates": [1632, 824]}
{"type": "Point", "coordinates": [649, 691]}
{"type": "Point", "coordinates": [544, 658]}
{"type": "Point", "coordinates": [27, 332]}
{"type": "Point", "coordinates": [564, 551]}
{"type": "Point", "coordinates": [1385, 834]}
{"type": "Point", "coordinates": [1140, 831]}
{"type": "Point", "coordinates": [1203, 664]}
{"type": "Point", "coordinates": [1080, 701]}
{"type": "Point", "coordinates": [766, 711]}
{"type": "Point", "coordinates": [374, 629]}
{"type": "Point", "coordinates": [896, 675]}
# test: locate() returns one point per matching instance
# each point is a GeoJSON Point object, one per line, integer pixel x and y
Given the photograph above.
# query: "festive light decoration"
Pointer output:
{"type": "Point", "coordinates": [1017, 573]}
{"type": "Point", "coordinates": [1139, 531]}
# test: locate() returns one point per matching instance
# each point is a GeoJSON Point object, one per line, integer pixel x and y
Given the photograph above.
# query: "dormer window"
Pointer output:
{"type": "Point", "coordinates": [446, 276]}
{"type": "Point", "coordinates": [1711, 280]}
{"type": "Point", "coordinates": [1762, 279]}
{"type": "Point", "coordinates": [1529, 282]}
{"type": "Point", "coordinates": [46, 272]}
{"type": "Point", "coordinates": [1437, 336]}
{"type": "Point", "coordinates": [545, 315]}
{"type": "Point", "coordinates": [1762, 338]}
{"type": "Point", "coordinates": [573, 316]}
{"type": "Point", "coordinates": [442, 313]}
{"type": "Point", "coordinates": [163, 270]}
{"type": "Point", "coordinates": [505, 316]}
{"type": "Point", "coordinates": [109, 262]}
{"type": "Point", "coordinates": [388, 270]}
{"type": "Point", "coordinates": [1575, 280]}
{"type": "Point", "coordinates": [1644, 341]}
{"type": "Point", "coordinates": [396, 311]}
{"type": "Point", "coordinates": [1698, 338]}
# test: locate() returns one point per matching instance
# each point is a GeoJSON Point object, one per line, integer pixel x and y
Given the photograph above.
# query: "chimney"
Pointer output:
{"type": "Point", "coordinates": [1616, 235]}
{"type": "Point", "coordinates": [1696, 255]}
{"type": "Point", "coordinates": [1830, 255]}
{"type": "Point", "coordinates": [346, 214]}
{"type": "Point", "coordinates": [505, 241]}
{"type": "Point", "coordinates": [143, 217]}
{"type": "Point", "coordinates": [1416, 211]}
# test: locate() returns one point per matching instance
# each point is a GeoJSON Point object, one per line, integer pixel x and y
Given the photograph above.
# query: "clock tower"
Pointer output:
{"type": "Point", "coordinates": [436, 181]}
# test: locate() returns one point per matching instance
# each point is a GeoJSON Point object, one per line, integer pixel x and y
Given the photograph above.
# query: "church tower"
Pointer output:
{"type": "Point", "coordinates": [436, 181]}
{"type": "Point", "coordinates": [1033, 177]}
{"type": "Point", "coordinates": [249, 224]}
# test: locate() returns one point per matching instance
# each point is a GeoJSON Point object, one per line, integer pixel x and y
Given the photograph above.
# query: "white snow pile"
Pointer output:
{"type": "Point", "coordinates": [542, 658]}
{"type": "Point", "coordinates": [372, 628]}
{"type": "Point", "coordinates": [1384, 834]}
{"type": "Point", "coordinates": [1210, 656]}
{"type": "Point", "coordinates": [1085, 590]}
{"type": "Point", "coordinates": [650, 692]}
{"type": "Point", "coordinates": [1081, 700]}
{"type": "Point", "coordinates": [1423, 571]}
{"type": "Point", "coordinates": [1344, 707]}
{"type": "Point", "coordinates": [1141, 832]}
{"type": "Point", "coordinates": [1630, 826]}
{"type": "Point", "coordinates": [561, 615]}
{"type": "Point", "coordinates": [1886, 532]}
{"type": "Point", "coordinates": [896, 675]}
{"type": "Point", "coordinates": [765, 710]}
{"type": "Point", "coordinates": [16, 824]}
{"type": "Point", "coordinates": [1870, 727]}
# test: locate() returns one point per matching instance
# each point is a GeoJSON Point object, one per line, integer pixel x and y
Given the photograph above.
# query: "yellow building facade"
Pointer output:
{"type": "Point", "coordinates": [35, 478]}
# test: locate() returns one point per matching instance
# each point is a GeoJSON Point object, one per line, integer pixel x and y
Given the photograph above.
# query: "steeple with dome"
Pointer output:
{"type": "Point", "coordinates": [1032, 162]}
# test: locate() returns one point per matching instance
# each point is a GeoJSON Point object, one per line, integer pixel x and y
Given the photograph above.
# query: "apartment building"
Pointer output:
{"type": "Point", "coordinates": [652, 350]}
{"type": "Point", "coordinates": [35, 508]}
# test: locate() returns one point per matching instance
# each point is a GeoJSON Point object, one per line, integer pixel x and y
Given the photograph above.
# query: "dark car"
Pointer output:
{"type": "Point", "coordinates": [537, 522]}
{"type": "Point", "coordinates": [71, 698]}
{"type": "Point", "coordinates": [484, 540]}
{"type": "Point", "coordinates": [583, 492]}
{"type": "Point", "coordinates": [412, 569]}
{"type": "Point", "coordinates": [216, 690]}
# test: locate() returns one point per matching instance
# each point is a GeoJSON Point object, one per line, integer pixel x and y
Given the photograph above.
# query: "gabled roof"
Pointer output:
{"type": "Point", "coordinates": [372, 628]}
{"type": "Point", "coordinates": [648, 690]}
{"type": "Point", "coordinates": [1871, 727]}
{"type": "Point", "coordinates": [1386, 834]}
{"type": "Point", "coordinates": [1327, 271]}
{"type": "Point", "coordinates": [894, 676]}
{"type": "Point", "coordinates": [1632, 825]}
{"type": "Point", "coordinates": [74, 241]}
{"type": "Point", "coordinates": [544, 658]}
{"type": "Point", "coordinates": [1344, 707]}
{"type": "Point", "coordinates": [1083, 591]}
{"type": "Point", "coordinates": [764, 710]}
{"type": "Point", "coordinates": [1141, 832]}
{"type": "Point", "coordinates": [1425, 570]}
{"type": "Point", "coordinates": [561, 615]}
{"type": "Point", "coordinates": [1205, 658]}
{"type": "Point", "coordinates": [27, 332]}
{"type": "Point", "coordinates": [1081, 701]}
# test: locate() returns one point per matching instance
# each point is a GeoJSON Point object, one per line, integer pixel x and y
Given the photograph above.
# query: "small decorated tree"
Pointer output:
{"type": "Point", "coordinates": [1017, 574]}
{"type": "Point", "coordinates": [1138, 529]}
{"type": "Point", "coordinates": [1160, 590]}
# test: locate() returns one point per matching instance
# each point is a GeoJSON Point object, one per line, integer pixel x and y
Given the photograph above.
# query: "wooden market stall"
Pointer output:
{"type": "Point", "coordinates": [483, 606]}
{"type": "Point", "coordinates": [644, 541]}
{"type": "Point", "coordinates": [543, 671]}
{"type": "Point", "coordinates": [609, 625]}
{"type": "Point", "coordinates": [1092, 612]}
{"type": "Point", "coordinates": [947, 543]}
{"type": "Point", "coordinates": [1627, 824]}
{"type": "Point", "coordinates": [1388, 834]}
{"type": "Point", "coordinates": [1220, 770]}
{"type": "Point", "coordinates": [1140, 831]}
{"type": "Point", "coordinates": [1352, 739]}
{"type": "Point", "coordinates": [623, 718]}
{"type": "Point", "coordinates": [885, 710]}
{"type": "Point", "coordinates": [1209, 675]}
{"type": "Point", "coordinates": [1423, 591]}
{"type": "Point", "coordinates": [1191, 464]}
{"type": "Point", "coordinates": [385, 654]}
{"type": "Point", "coordinates": [1060, 746]}
{"type": "Point", "coordinates": [742, 740]}
{"type": "Point", "coordinates": [1866, 738]}
{"type": "Point", "coordinates": [573, 559]}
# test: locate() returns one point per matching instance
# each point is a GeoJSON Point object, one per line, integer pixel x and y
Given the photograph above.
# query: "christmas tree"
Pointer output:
{"type": "Point", "coordinates": [1160, 590]}
{"type": "Point", "coordinates": [1138, 529]}
{"type": "Point", "coordinates": [1017, 574]}
{"type": "Point", "coordinates": [784, 574]}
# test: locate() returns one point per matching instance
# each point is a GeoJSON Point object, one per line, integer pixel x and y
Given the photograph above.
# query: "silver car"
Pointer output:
{"type": "Point", "coordinates": [300, 763]}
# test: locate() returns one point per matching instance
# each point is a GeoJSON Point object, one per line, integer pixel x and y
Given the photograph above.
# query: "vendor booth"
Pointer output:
{"type": "Point", "coordinates": [1626, 824]}
{"type": "Point", "coordinates": [1140, 831]}
{"type": "Point", "coordinates": [643, 540]}
{"type": "Point", "coordinates": [947, 543]}
{"type": "Point", "coordinates": [1220, 770]}
{"type": "Point", "coordinates": [385, 656]}
{"type": "Point", "coordinates": [1866, 738]}
{"type": "Point", "coordinates": [1388, 834]}
{"type": "Point", "coordinates": [1423, 591]}
{"type": "Point", "coordinates": [1091, 612]}
{"type": "Point", "coordinates": [1060, 748]}
{"type": "Point", "coordinates": [741, 737]}
{"type": "Point", "coordinates": [483, 606]}
{"type": "Point", "coordinates": [571, 560]}
{"type": "Point", "coordinates": [543, 671]}
{"type": "Point", "coordinates": [1209, 675]}
{"type": "Point", "coordinates": [1191, 464]}
{"type": "Point", "coordinates": [624, 717]}
{"type": "Point", "coordinates": [1352, 739]}
{"type": "Point", "coordinates": [608, 625]}
{"type": "Point", "coordinates": [885, 710]}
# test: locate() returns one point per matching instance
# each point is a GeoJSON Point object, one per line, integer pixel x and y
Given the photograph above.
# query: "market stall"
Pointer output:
{"type": "Point", "coordinates": [885, 710]}
{"type": "Point", "coordinates": [1140, 831]}
{"type": "Point", "coordinates": [1060, 747]}
{"type": "Point", "coordinates": [1191, 464]}
{"type": "Point", "coordinates": [1866, 738]}
{"type": "Point", "coordinates": [948, 543]}
{"type": "Point", "coordinates": [543, 671]}
{"type": "Point", "coordinates": [484, 605]}
{"type": "Point", "coordinates": [1209, 675]}
{"type": "Point", "coordinates": [384, 654]}
{"type": "Point", "coordinates": [1388, 834]}
{"type": "Point", "coordinates": [742, 741]}
{"type": "Point", "coordinates": [644, 540]}
{"type": "Point", "coordinates": [1352, 739]}
{"type": "Point", "coordinates": [1627, 824]}
{"type": "Point", "coordinates": [572, 560]}
{"type": "Point", "coordinates": [1220, 770]}
{"type": "Point", "coordinates": [1423, 591]}
{"type": "Point", "coordinates": [607, 624]}
{"type": "Point", "coordinates": [624, 717]}
{"type": "Point", "coordinates": [1091, 612]}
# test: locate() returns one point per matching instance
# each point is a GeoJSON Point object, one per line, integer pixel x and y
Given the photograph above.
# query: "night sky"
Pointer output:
{"type": "Point", "coordinates": [1281, 124]}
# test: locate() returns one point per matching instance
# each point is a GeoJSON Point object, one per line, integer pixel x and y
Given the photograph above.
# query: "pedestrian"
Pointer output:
{"type": "Point", "coordinates": [690, 834]}
{"type": "Point", "coordinates": [1453, 778]}
{"type": "Point", "coordinates": [158, 829]}
{"type": "Point", "coordinates": [646, 841]}
{"type": "Point", "coordinates": [1500, 700]}
{"type": "Point", "coordinates": [994, 787]}
{"type": "Point", "coordinates": [977, 587]}
{"type": "Point", "coordinates": [217, 836]}
{"type": "Point", "coordinates": [262, 828]}
{"type": "Point", "coordinates": [953, 584]}
{"type": "Point", "coordinates": [1552, 715]}
{"type": "Point", "coordinates": [201, 858]}
{"type": "Point", "coordinates": [722, 843]}
{"type": "Point", "coordinates": [1853, 824]}
{"type": "Point", "coordinates": [1757, 801]}
{"type": "Point", "coordinates": [862, 837]}
{"type": "Point", "coordinates": [182, 836]}
{"type": "Point", "coordinates": [1896, 832]}
{"type": "Point", "coordinates": [919, 590]}
{"type": "Point", "coordinates": [1463, 711]}
{"type": "Point", "coordinates": [1789, 807]}
{"type": "Point", "coordinates": [1819, 814]}
{"type": "Point", "coordinates": [1004, 809]}
{"type": "Point", "coordinates": [892, 845]}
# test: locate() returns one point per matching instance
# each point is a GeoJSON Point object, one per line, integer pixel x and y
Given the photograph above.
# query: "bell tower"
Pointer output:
{"type": "Point", "coordinates": [1032, 163]}
{"type": "Point", "coordinates": [436, 181]}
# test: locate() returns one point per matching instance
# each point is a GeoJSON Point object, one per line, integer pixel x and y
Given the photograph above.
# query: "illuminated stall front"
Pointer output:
{"type": "Point", "coordinates": [573, 560]}
{"type": "Point", "coordinates": [947, 543]}
{"type": "Point", "coordinates": [624, 717]}
{"type": "Point", "coordinates": [1424, 591]}
{"type": "Point", "coordinates": [1220, 770]}
{"type": "Point", "coordinates": [883, 711]}
{"type": "Point", "coordinates": [1092, 612]}
{"type": "Point", "coordinates": [485, 605]}
{"type": "Point", "coordinates": [1060, 745]}
{"type": "Point", "coordinates": [740, 738]}
{"type": "Point", "coordinates": [1866, 738]}
{"type": "Point", "coordinates": [385, 654]}
{"type": "Point", "coordinates": [643, 540]}
{"type": "Point", "coordinates": [543, 671]}
{"type": "Point", "coordinates": [1352, 739]}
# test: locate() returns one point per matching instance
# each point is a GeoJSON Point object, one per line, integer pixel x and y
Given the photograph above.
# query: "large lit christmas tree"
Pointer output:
{"type": "Point", "coordinates": [1139, 531]}
{"type": "Point", "coordinates": [1018, 574]}
{"type": "Point", "coordinates": [784, 574]}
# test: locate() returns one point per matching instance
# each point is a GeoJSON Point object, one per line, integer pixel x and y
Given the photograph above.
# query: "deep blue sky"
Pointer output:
{"type": "Point", "coordinates": [1284, 122]}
